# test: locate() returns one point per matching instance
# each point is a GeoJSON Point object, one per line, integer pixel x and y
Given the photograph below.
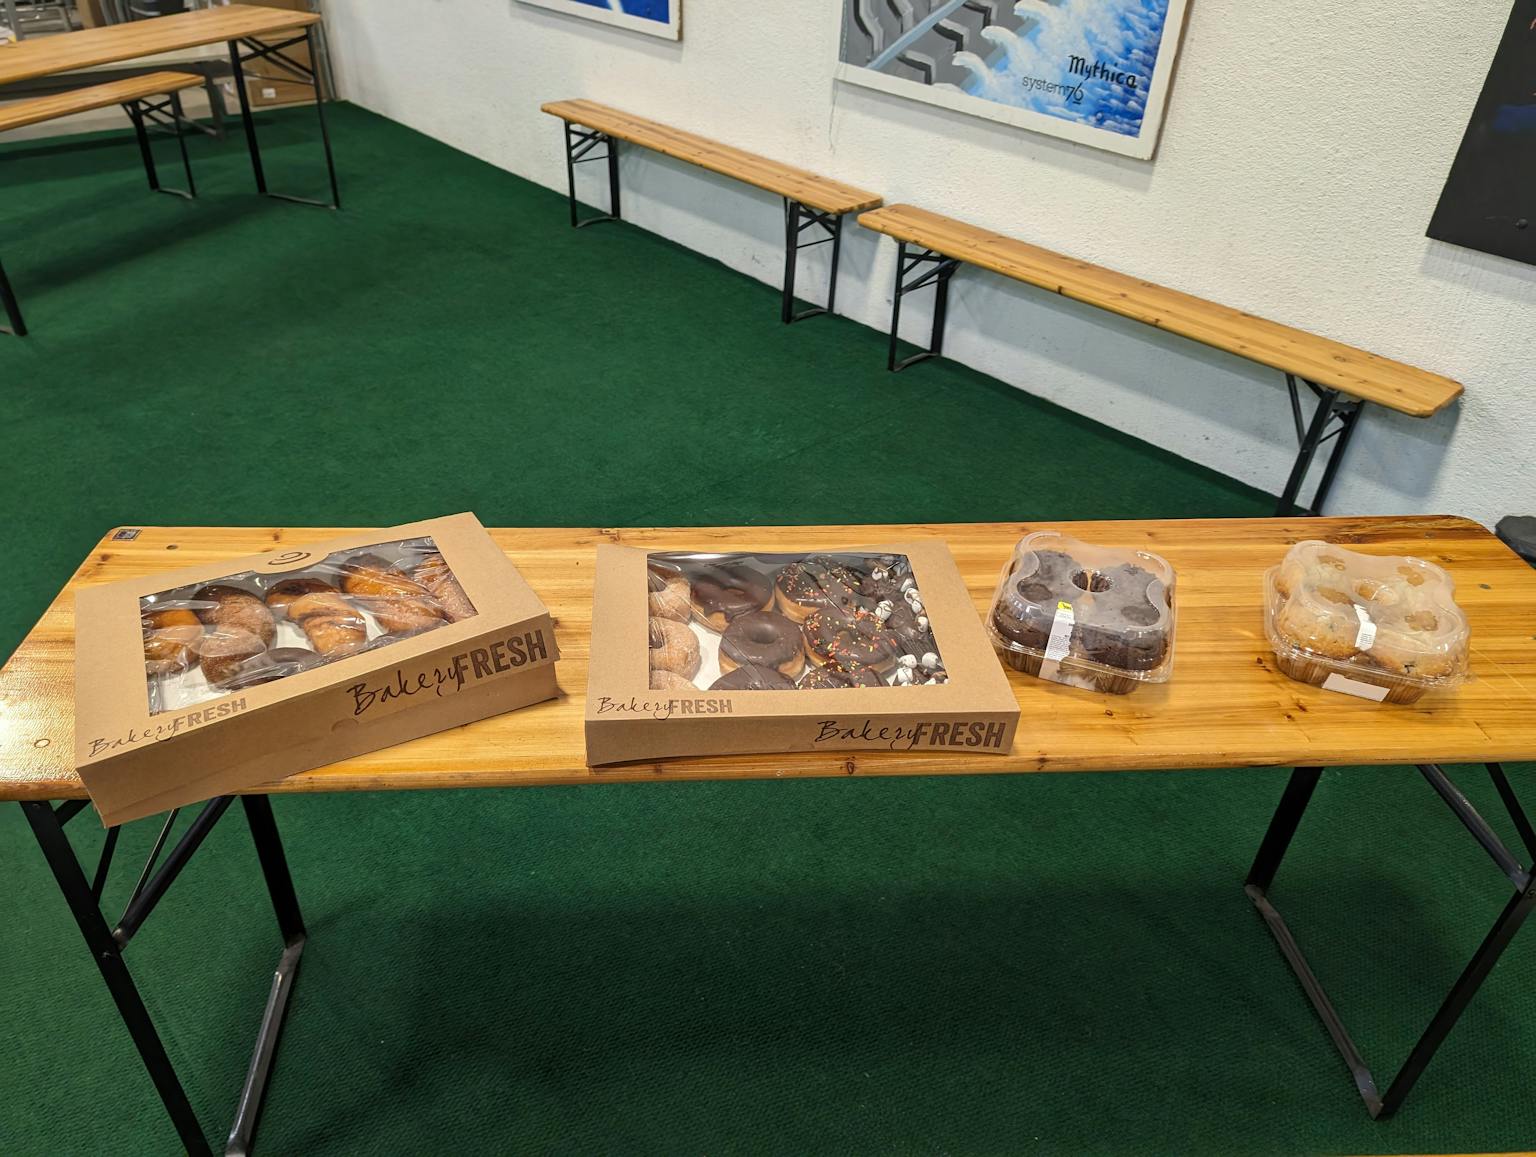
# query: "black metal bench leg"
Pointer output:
{"type": "Point", "coordinates": [1332, 407]}
{"type": "Point", "coordinates": [107, 945]}
{"type": "Point", "coordinates": [316, 53]}
{"type": "Point", "coordinates": [799, 217]}
{"type": "Point", "coordinates": [237, 75]}
{"type": "Point", "coordinates": [16, 327]}
{"type": "Point", "coordinates": [942, 269]}
{"type": "Point", "coordinates": [1276, 840]}
{"type": "Point", "coordinates": [578, 147]}
{"type": "Point", "coordinates": [136, 115]}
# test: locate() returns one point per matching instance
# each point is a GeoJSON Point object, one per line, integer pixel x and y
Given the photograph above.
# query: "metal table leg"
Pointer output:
{"type": "Point", "coordinates": [1293, 805]}
{"type": "Point", "coordinates": [17, 326]}
{"type": "Point", "coordinates": [107, 943]}
{"type": "Point", "coordinates": [274, 55]}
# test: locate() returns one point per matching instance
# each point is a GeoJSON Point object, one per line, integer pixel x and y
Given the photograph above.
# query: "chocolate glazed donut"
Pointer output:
{"type": "Point", "coordinates": [762, 639]}
{"type": "Point", "coordinates": [727, 591]}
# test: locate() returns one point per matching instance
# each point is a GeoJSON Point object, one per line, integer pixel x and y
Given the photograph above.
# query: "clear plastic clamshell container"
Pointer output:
{"type": "Point", "coordinates": [1383, 627]}
{"type": "Point", "coordinates": [1084, 615]}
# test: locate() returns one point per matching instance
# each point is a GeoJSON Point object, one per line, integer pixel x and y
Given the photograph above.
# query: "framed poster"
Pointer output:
{"type": "Point", "coordinates": [653, 17]}
{"type": "Point", "coordinates": [1489, 199]}
{"type": "Point", "coordinates": [1092, 71]}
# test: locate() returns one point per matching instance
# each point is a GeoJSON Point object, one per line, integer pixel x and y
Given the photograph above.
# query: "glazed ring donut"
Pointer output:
{"type": "Point", "coordinates": [725, 592]}
{"type": "Point", "coordinates": [674, 647]}
{"type": "Point", "coordinates": [762, 639]}
{"type": "Point", "coordinates": [671, 681]}
{"type": "Point", "coordinates": [851, 641]}
{"type": "Point", "coordinates": [669, 597]}
{"type": "Point", "coordinates": [752, 679]}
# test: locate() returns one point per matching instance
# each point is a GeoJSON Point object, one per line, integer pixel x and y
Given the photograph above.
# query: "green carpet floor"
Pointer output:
{"type": "Point", "coordinates": [1052, 964]}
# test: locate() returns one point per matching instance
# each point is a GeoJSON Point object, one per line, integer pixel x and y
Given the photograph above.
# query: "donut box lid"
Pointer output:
{"type": "Point", "coordinates": [1092, 616]}
{"type": "Point", "coordinates": [137, 756]}
{"type": "Point", "coordinates": [1384, 620]}
{"type": "Point", "coordinates": [976, 711]}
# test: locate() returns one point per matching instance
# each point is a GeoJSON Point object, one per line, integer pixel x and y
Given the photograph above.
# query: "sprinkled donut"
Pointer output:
{"type": "Point", "coordinates": [829, 678]}
{"type": "Point", "coordinates": [673, 647]}
{"type": "Point", "coordinates": [814, 583]}
{"type": "Point", "coordinates": [722, 592]}
{"type": "Point", "coordinates": [850, 641]}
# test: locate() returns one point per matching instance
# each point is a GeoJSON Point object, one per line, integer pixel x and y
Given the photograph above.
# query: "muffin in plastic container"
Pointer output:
{"type": "Point", "coordinates": [1382, 627]}
{"type": "Point", "coordinates": [1087, 616]}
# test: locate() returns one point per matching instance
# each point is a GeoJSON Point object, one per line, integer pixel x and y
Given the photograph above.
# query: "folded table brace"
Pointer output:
{"type": "Point", "coordinates": [1293, 804]}
{"type": "Point", "coordinates": [107, 943]}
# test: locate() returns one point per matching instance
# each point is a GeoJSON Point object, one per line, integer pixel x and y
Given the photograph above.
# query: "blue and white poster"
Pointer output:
{"type": "Point", "coordinates": [1093, 71]}
{"type": "Point", "coordinates": [654, 17]}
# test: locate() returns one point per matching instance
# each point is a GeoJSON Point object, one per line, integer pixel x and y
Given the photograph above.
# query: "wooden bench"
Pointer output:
{"type": "Point", "coordinates": [137, 96]}
{"type": "Point", "coordinates": [809, 199]}
{"type": "Point", "coordinates": [1342, 377]}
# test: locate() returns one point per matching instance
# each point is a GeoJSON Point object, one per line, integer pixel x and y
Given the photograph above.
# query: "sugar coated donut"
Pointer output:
{"type": "Point", "coordinates": [673, 647]}
{"type": "Point", "coordinates": [669, 596]}
{"type": "Point", "coordinates": [762, 639]}
{"type": "Point", "coordinates": [671, 681]}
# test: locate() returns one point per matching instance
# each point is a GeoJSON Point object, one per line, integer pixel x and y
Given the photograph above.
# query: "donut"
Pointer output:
{"type": "Point", "coordinates": [850, 641]}
{"type": "Point", "coordinates": [813, 583]}
{"type": "Point", "coordinates": [762, 639]}
{"type": "Point", "coordinates": [671, 681]}
{"type": "Point", "coordinates": [170, 636]}
{"type": "Point", "coordinates": [752, 679]}
{"type": "Point", "coordinates": [278, 663]}
{"type": "Point", "coordinates": [669, 597]}
{"type": "Point", "coordinates": [223, 651]}
{"type": "Point", "coordinates": [673, 647]}
{"type": "Point", "coordinates": [232, 608]}
{"type": "Point", "coordinates": [830, 678]}
{"type": "Point", "coordinates": [722, 592]}
{"type": "Point", "coordinates": [880, 581]}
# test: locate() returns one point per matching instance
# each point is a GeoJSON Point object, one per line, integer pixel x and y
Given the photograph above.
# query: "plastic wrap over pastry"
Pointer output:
{"type": "Point", "coordinates": [1088, 616]}
{"type": "Point", "coordinates": [784, 622]}
{"type": "Point", "coordinates": [248, 629]}
{"type": "Point", "coordinates": [1383, 627]}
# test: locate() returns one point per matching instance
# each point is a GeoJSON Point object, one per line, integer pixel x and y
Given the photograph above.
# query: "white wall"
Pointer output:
{"type": "Point", "coordinates": [1302, 154]}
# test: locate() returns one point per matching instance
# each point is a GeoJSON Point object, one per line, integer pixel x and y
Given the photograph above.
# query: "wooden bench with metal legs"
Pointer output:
{"type": "Point", "coordinates": [152, 101]}
{"type": "Point", "coordinates": [1343, 378]}
{"type": "Point", "coordinates": [809, 199]}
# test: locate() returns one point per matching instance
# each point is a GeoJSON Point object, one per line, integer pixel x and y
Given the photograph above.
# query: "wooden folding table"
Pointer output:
{"type": "Point", "coordinates": [1226, 706]}
{"type": "Point", "coordinates": [245, 28]}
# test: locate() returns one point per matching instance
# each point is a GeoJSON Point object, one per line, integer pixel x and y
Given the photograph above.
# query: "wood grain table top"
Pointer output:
{"type": "Point", "coordinates": [91, 47]}
{"type": "Point", "coordinates": [808, 188]}
{"type": "Point", "coordinates": [17, 114]}
{"type": "Point", "coordinates": [1317, 359]}
{"type": "Point", "coordinates": [1226, 705]}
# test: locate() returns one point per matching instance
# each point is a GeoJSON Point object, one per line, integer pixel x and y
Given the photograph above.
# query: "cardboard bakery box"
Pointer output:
{"type": "Point", "coordinates": [858, 649]}
{"type": "Point", "coordinates": [203, 681]}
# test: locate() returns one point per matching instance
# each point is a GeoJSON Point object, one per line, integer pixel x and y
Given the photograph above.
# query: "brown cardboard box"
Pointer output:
{"type": "Point", "coordinates": [185, 689]}
{"type": "Point", "coordinates": [267, 82]}
{"type": "Point", "coordinates": [625, 720]}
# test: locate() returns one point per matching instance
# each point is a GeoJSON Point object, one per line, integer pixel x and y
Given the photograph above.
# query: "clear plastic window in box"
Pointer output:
{"type": "Point", "coordinates": [785, 622]}
{"type": "Point", "coordinates": [207, 640]}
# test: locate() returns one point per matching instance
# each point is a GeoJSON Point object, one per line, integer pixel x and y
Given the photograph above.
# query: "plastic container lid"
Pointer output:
{"type": "Point", "coordinates": [1088, 616]}
{"type": "Point", "coordinates": [1383, 620]}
